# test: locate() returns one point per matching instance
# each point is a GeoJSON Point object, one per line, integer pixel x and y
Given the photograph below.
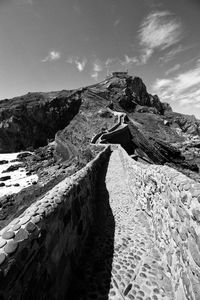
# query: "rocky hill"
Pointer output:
{"type": "Point", "coordinates": [156, 133]}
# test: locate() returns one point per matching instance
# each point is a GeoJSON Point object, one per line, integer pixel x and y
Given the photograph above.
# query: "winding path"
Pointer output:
{"type": "Point", "coordinates": [122, 260]}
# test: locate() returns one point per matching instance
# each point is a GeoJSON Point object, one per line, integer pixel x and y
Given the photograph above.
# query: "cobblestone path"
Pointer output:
{"type": "Point", "coordinates": [124, 256]}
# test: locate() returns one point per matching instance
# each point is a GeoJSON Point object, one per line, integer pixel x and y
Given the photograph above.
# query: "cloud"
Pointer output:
{"type": "Point", "coordinates": [109, 61]}
{"type": "Point", "coordinates": [80, 64]}
{"type": "Point", "coordinates": [97, 68]}
{"type": "Point", "coordinates": [129, 60]}
{"type": "Point", "coordinates": [116, 22]}
{"type": "Point", "coordinates": [95, 75]}
{"type": "Point", "coordinates": [158, 31]}
{"type": "Point", "coordinates": [183, 88]}
{"type": "Point", "coordinates": [52, 56]}
{"type": "Point", "coordinates": [172, 53]}
{"type": "Point", "coordinates": [77, 8]}
{"type": "Point", "coordinates": [173, 69]}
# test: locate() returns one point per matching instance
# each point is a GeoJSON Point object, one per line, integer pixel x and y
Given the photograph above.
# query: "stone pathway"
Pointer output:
{"type": "Point", "coordinates": [124, 256]}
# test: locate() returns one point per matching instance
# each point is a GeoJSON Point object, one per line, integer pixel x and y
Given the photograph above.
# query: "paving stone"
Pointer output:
{"type": "Point", "coordinates": [8, 235]}
{"type": "Point", "coordinates": [36, 219]}
{"type": "Point", "coordinates": [21, 235]}
{"type": "Point", "coordinates": [58, 200]}
{"type": "Point", "coordinates": [14, 222]}
{"type": "Point", "coordinates": [2, 258]}
{"type": "Point", "coordinates": [2, 243]}
{"type": "Point", "coordinates": [24, 220]}
{"type": "Point", "coordinates": [16, 227]}
{"type": "Point", "coordinates": [30, 227]}
{"type": "Point", "coordinates": [11, 247]}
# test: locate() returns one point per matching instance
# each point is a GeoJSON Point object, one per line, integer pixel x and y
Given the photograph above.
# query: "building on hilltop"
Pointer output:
{"type": "Point", "coordinates": [117, 74]}
{"type": "Point", "coordinates": [120, 74]}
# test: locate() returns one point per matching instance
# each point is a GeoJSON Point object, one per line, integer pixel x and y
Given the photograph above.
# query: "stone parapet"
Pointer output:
{"type": "Point", "coordinates": [40, 249]}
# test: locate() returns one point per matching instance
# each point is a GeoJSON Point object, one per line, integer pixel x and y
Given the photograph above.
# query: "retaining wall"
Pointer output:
{"type": "Point", "coordinates": [120, 136]}
{"type": "Point", "coordinates": [40, 249]}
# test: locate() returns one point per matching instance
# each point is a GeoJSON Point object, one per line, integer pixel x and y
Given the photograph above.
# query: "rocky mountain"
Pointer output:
{"type": "Point", "coordinates": [152, 132]}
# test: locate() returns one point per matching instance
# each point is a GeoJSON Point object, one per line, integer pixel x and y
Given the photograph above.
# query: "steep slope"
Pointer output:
{"type": "Point", "coordinates": [158, 134]}
{"type": "Point", "coordinates": [32, 119]}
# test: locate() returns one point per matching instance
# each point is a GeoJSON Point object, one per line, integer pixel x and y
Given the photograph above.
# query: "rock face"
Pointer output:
{"type": "Point", "coordinates": [132, 95]}
{"type": "Point", "coordinates": [29, 120]}
{"type": "Point", "coordinates": [188, 124]}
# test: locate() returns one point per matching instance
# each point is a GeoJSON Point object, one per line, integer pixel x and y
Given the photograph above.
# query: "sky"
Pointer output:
{"type": "Point", "coordinates": [48, 45]}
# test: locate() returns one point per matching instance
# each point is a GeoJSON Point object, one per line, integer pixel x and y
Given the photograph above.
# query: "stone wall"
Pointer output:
{"type": "Point", "coordinates": [120, 136]}
{"type": "Point", "coordinates": [40, 249]}
{"type": "Point", "coordinates": [172, 204]}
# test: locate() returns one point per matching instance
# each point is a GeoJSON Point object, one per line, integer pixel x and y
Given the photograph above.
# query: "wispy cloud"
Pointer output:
{"type": "Point", "coordinates": [183, 88]}
{"type": "Point", "coordinates": [173, 69]}
{"type": "Point", "coordinates": [52, 56]}
{"type": "Point", "coordinates": [109, 61]}
{"type": "Point", "coordinates": [158, 31]}
{"type": "Point", "coordinates": [97, 68]}
{"type": "Point", "coordinates": [129, 60]}
{"type": "Point", "coordinates": [173, 52]}
{"type": "Point", "coordinates": [79, 63]}
{"type": "Point", "coordinates": [116, 23]}
{"type": "Point", "coordinates": [77, 8]}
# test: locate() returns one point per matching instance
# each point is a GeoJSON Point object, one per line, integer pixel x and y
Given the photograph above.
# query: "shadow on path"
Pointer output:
{"type": "Point", "coordinates": [93, 276]}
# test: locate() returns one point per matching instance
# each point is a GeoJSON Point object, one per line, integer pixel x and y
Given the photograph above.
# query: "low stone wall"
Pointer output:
{"type": "Point", "coordinates": [114, 127]}
{"type": "Point", "coordinates": [171, 201]}
{"type": "Point", "coordinates": [120, 136]}
{"type": "Point", "coordinates": [96, 137]}
{"type": "Point", "coordinates": [40, 249]}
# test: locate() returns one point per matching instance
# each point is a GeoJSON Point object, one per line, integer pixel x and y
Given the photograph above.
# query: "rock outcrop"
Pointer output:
{"type": "Point", "coordinates": [32, 119]}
